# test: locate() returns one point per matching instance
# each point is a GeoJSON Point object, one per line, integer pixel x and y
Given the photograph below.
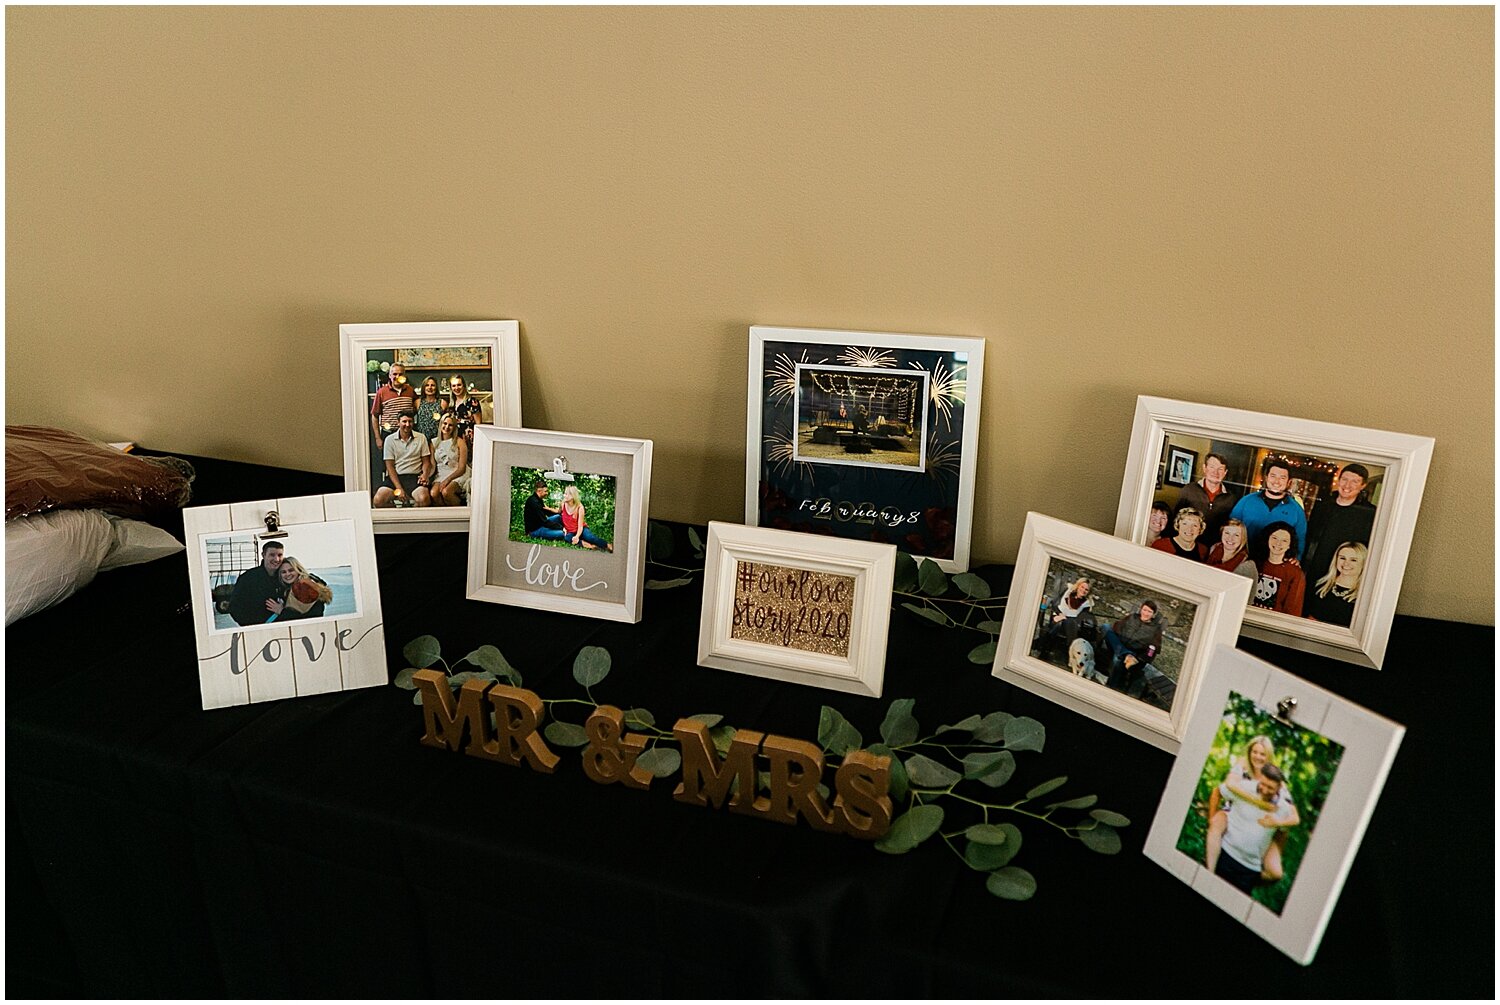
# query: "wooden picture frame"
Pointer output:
{"type": "Point", "coordinates": [900, 471]}
{"type": "Point", "coordinates": [796, 607]}
{"type": "Point", "coordinates": [441, 349]}
{"type": "Point", "coordinates": [1316, 457]}
{"type": "Point", "coordinates": [601, 575]}
{"type": "Point", "coordinates": [1305, 728]}
{"type": "Point", "coordinates": [249, 653]}
{"type": "Point", "coordinates": [1150, 694]}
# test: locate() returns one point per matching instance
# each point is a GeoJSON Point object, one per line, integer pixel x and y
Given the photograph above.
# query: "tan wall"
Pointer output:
{"type": "Point", "coordinates": [1285, 210]}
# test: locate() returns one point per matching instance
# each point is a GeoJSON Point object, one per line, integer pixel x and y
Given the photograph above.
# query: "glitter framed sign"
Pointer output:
{"type": "Point", "coordinates": [797, 608]}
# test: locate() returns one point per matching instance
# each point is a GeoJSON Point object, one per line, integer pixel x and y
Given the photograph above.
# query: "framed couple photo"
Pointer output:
{"type": "Point", "coordinates": [1319, 516]}
{"type": "Point", "coordinates": [865, 436]}
{"type": "Point", "coordinates": [413, 395]}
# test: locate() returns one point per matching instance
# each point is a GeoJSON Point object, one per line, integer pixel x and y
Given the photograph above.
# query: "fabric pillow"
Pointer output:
{"type": "Point", "coordinates": [50, 556]}
{"type": "Point", "coordinates": [48, 469]}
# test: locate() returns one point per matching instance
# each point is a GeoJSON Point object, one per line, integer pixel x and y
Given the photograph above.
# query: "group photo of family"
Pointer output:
{"type": "Point", "coordinates": [304, 573]}
{"type": "Point", "coordinates": [562, 509]}
{"type": "Point", "coordinates": [853, 415]}
{"type": "Point", "coordinates": [1298, 525]}
{"type": "Point", "coordinates": [1258, 801]}
{"type": "Point", "coordinates": [423, 406]}
{"type": "Point", "coordinates": [1113, 632]}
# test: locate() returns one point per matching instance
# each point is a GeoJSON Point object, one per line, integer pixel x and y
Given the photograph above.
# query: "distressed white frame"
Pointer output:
{"type": "Point", "coordinates": [1405, 458]}
{"type": "Point", "coordinates": [489, 439]}
{"type": "Point", "coordinates": [1370, 744]}
{"type": "Point", "coordinates": [292, 658]}
{"type": "Point", "coordinates": [1220, 598]}
{"type": "Point", "coordinates": [355, 340]}
{"type": "Point", "coordinates": [969, 443]}
{"type": "Point", "coordinates": [873, 569]}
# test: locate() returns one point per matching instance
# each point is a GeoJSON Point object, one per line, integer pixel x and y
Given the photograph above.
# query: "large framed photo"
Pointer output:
{"type": "Point", "coordinates": [413, 395]}
{"type": "Point", "coordinates": [795, 607]}
{"type": "Point", "coordinates": [1319, 515]}
{"type": "Point", "coordinates": [1269, 798]}
{"type": "Point", "coordinates": [558, 521]}
{"type": "Point", "coordinates": [286, 600]}
{"type": "Point", "coordinates": [865, 436]}
{"type": "Point", "coordinates": [1117, 632]}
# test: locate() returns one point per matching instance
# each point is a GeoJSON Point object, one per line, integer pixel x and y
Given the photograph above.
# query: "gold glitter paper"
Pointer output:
{"type": "Point", "coordinates": [792, 608]}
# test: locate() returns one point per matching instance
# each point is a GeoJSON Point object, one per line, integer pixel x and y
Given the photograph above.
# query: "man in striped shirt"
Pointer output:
{"type": "Point", "coordinates": [390, 401]}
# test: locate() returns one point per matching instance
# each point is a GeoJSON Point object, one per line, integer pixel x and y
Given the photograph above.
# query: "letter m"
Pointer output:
{"type": "Point", "coordinates": [707, 779]}
{"type": "Point", "coordinates": [445, 720]}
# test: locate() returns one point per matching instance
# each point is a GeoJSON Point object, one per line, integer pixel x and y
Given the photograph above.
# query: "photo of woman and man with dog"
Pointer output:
{"type": "Point", "coordinates": [1113, 632]}
{"type": "Point", "coordinates": [1258, 800]}
{"type": "Point", "coordinates": [562, 509]}
{"type": "Point", "coordinates": [1297, 524]}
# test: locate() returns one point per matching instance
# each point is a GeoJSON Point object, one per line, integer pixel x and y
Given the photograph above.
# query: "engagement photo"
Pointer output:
{"type": "Point", "coordinates": [303, 574]}
{"type": "Point", "coordinates": [562, 509]}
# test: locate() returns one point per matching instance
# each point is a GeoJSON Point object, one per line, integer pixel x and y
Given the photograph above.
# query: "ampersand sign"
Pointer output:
{"type": "Point", "coordinates": [611, 753]}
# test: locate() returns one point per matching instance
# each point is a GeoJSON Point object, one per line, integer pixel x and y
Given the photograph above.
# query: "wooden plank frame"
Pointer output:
{"type": "Point", "coordinates": [871, 565]}
{"type": "Point", "coordinates": [502, 338]}
{"type": "Point", "coordinates": [242, 665]}
{"type": "Point", "coordinates": [1370, 743]}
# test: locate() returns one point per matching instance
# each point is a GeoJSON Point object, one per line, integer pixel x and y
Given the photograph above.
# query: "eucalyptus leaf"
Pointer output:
{"type": "Point", "coordinates": [962, 726]}
{"type": "Point", "coordinates": [823, 790]}
{"type": "Point", "coordinates": [900, 785]}
{"type": "Point", "coordinates": [1101, 838]}
{"type": "Point", "coordinates": [422, 651]}
{"type": "Point", "coordinates": [1050, 785]}
{"type": "Point", "coordinates": [929, 774]}
{"type": "Point", "coordinates": [900, 727]}
{"type": "Point", "coordinates": [992, 767]}
{"type": "Point", "coordinates": [566, 734]}
{"type": "Point", "coordinates": [458, 680]}
{"type": "Point", "coordinates": [983, 857]}
{"type": "Point", "coordinates": [416, 699]}
{"type": "Point", "coordinates": [992, 727]}
{"type": "Point", "coordinates": [906, 572]}
{"type": "Point", "coordinates": [695, 540]}
{"type": "Point", "coordinates": [986, 833]}
{"type": "Point", "coordinates": [660, 761]}
{"type": "Point", "coordinates": [1110, 817]}
{"type": "Point", "coordinates": [489, 658]}
{"type": "Point", "coordinates": [929, 613]}
{"type": "Point", "coordinates": [932, 580]}
{"type": "Point", "coordinates": [983, 654]}
{"type": "Point", "coordinates": [591, 666]}
{"type": "Point", "coordinates": [707, 718]}
{"type": "Point", "coordinates": [404, 679]}
{"type": "Point", "coordinates": [835, 733]}
{"type": "Point", "coordinates": [639, 718]}
{"type": "Point", "coordinates": [1011, 883]}
{"type": "Point", "coordinates": [667, 584]}
{"type": "Point", "coordinates": [1024, 733]}
{"type": "Point", "coordinates": [721, 737]}
{"type": "Point", "coordinates": [910, 829]}
{"type": "Point", "coordinates": [1080, 803]}
{"type": "Point", "coordinates": [658, 540]}
{"type": "Point", "coordinates": [993, 627]}
{"type": "Point", "coordinates": [972, 586]}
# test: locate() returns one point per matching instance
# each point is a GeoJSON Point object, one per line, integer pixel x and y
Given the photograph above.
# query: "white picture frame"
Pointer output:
{"type": "Point", "coordinates": [1369, 744]}
{"type": "Point", "coordinates": [1123, 577]}
{"type": "Point", "coordinates": [508, 566]}
{"type": "Point", "coordinates": [358, 343]}
{"type": "Point", "coordinates": [859, 490]}
{"type": "Point", "coordinates": [1401, 459]}
{"type": "Point", "coordinates": [294, 654]}
{"type": "Point", "coordinates": [854, 664]}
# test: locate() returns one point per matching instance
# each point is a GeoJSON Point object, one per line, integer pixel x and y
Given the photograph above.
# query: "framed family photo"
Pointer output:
{"type": "Point", "coordinates": [413, 395]}
{"type": "Point", "coordinates": [1117, 632]}
{"type": "Point", "coordinates": [796, 607]}
{"type": "Point", "coordinates": [1320, 516]}
{"type": "Point", "coordinates": [865, 436]}
{"type": "Point", "coordinates": [1269, 798]}
{"type": "Point", "coordinates": [558, 521]}
{"type": "Point", "coordinates": [286, 600]}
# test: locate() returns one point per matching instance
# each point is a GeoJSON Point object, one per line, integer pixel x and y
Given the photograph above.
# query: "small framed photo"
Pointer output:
{"type": "Point", "coordinates": [1117, 632]}
{"type": "Point", "coordinates": [558, 521]}
{"type": "Point", "coordinates": [286, 601]}
{"type": "Point", "coordinates": [1318, 515]}
{"type": "Point", "coordinates": [413, 396]}
{"type": "Point", "coordinates": [795, 607]}
{"type": "Point", "coordinates": [1269, 798]}
{"type": "Point", "coordinates": [865, 436]}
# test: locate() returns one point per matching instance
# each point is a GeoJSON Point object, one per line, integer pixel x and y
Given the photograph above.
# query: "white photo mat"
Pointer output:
{"type": "Point", "coordinates": [1405, 459]}
{"type": "Point", "coordinates": [857, 663]}
{"type": "Point", "coordinates": [292, 658]}
{"type": "Point", "coordinates": [1370, 743]}
{"type": "Point", "coordinates": [868, 498]}
{"type": "Point", "coordinates": [1219, 597]}
{"type": "Point", "coordinates": [356, 341]}
{"type": "Point", "coordinates": [492, 569]}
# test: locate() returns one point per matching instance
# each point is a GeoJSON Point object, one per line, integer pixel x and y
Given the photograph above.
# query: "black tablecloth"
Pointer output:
{"type": "Point", "coordinates": [312, 847]}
